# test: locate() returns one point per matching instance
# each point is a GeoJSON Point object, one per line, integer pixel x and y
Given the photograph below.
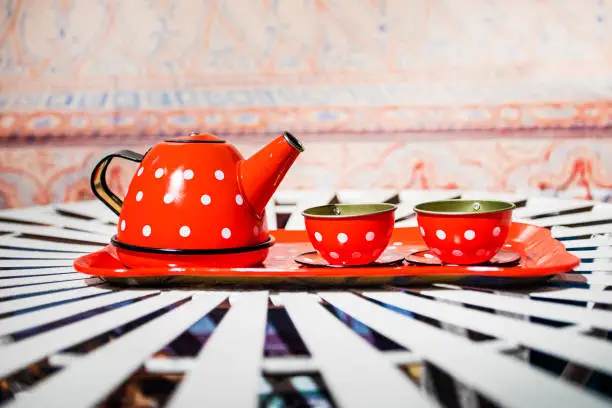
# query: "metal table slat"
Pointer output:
{"type": "Point", "coordinates": [588, 243]}
{"type": "Point", "coordinates": [527, 307]}
{"type": "Point", "coordinates": [227, 370]}
{"type": "Point", "coordinates": [33, 263]}
{"type": "Point", "coordinates": [33, 244]}
{"type": "Point", "coordinates": [44, 316]}
{"type": "Point", "coordinates": [577, 295]}
{"type": "Point", "coordinates": [19, 273]}
{"type": "Point", "coordinates": [571, 232]}
{"type": "Point", "coordinates": [27, 351]}
{"type": "Point", "coordinates": [487, 371]}
{"type": "Point", "coordinates": [100, 366]}
{"type": "Point", "coordinates": [597, 215]}
{"type": "Point", "coordinates": [56, 220]}
{"type": "Point", "coordinates": [55, 232]}
{"type": "Point", "coordinates": [28, 254]}
{"type": "Point", "coordinates": [41, 288]}
{"type": "Point", "coordinates": [89, 208]}
{"type": "Point", "coordinates": [537, 336]}
{"type": "Point", "coordinates": [348, 364]}
{"type": "Point", "coordinates": [35, 280]}
{"type": "Point", "coordinates": [547, 207]}
{"type": "Point", "coordinates": [599, 253]}
{"type": "Point", "coordinates": [11, 306]}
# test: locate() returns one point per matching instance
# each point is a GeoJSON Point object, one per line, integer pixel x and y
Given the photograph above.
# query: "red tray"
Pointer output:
{"type": "Point", "coordinates": [542, 256]}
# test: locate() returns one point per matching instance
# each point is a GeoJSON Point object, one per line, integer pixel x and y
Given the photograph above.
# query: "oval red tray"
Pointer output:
{"type": "Point", "coordinates": [542, 256]}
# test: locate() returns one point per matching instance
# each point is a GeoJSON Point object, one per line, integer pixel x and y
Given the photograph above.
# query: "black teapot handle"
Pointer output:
{"type": "Point", "coordinates": [98, 179]}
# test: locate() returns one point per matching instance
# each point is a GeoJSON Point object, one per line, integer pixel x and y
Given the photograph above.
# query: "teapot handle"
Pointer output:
{"type": "Point", "coordinates": [98, 179]}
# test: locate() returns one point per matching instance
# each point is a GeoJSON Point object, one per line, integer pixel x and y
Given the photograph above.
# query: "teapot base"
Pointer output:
{"type": "Point", "coordinates": [146, 259]}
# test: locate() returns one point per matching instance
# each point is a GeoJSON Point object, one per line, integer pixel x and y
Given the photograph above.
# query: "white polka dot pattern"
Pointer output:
{"type": "Point", "coordinates": [172, 188]}
{"type": "Point", "coordinates": [422, 231]}
{"type": "Point", "coordinates": [318, 236]}
{"type": "Point", "coordinates": [496, 231]}
{"type": "Point", "coordinates": [334, 255]}
{"type": "Point", "coordinates": [441, 234]}
{"type": "Point", "coordinates": [469, 235]}
{"type": "Point", "coordinates": [457, 252]}
{"type": "Point", "coordinates": [370, 236]}
{"type": "Point", "coordinates": [185, 231]}
{"type": "Point", "coordinates": [226, 233]}
{"type": "Point", "coordinates": [342, 238]}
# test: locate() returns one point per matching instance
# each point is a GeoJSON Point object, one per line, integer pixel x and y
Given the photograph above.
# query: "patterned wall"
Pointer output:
{"type": "Point", "coordinates": [142, 66]}
{"type": "Point", "coordinates": [102, 73]}
{"type": "Point", "coordinates": [577, 168]}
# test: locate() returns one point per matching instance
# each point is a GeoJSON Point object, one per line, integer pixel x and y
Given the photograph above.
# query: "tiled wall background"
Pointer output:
{"type": "Point", "coordinates": [478, 94]}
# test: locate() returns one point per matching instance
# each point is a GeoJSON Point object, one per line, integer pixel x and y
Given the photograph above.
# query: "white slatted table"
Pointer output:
{"type": "Point", "coordinates": [71, 340]}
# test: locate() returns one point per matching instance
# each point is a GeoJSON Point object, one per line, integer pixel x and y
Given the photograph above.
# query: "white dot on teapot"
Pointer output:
{"type": "Point", "coordinates": [188, 174]}
{"type": "Point", "coordinates": [239, 199]}
{"type": "Point", "coordinates": [219, 175]}
{"type": "Point", "coordinates": [140, 170]}
{"type": "Point", "coordinates": [185, 231]}
{"type": "Point", "coordinates": [159, 173]}
{"type": "Point", "coordinates": [226, 233]}
{"type": "Point", "coordinates": [205, 199]}
{"type": "Point", "coordinates": [139, 195]}
{"type": "Point", "coordinates": [168, 198]}
{"type": "Point", "coordinates": [123, 225]}
{"type": "Point", "coordinates": [146, 230]}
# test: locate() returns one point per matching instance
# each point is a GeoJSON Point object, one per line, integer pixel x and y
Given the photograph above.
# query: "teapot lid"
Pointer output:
{"type": "Point", "coordinates": [197, 138]}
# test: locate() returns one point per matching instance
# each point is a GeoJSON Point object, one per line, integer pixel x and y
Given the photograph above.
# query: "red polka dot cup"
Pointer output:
{"type": "Point", "coordinates": [350, 234]}
{"type": "Point", "coordinates": [195, 201]}
{"type": "Point", "coordinates": [464, 232]}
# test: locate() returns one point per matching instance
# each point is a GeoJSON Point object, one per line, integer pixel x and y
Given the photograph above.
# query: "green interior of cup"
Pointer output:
{"type": "Point", "coordinates": [463, 207]}
{"type": "Point", "coordinates": [347, 210]}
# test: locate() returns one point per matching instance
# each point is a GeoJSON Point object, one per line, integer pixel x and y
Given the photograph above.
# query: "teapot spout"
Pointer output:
{"type": "Point", "coordinates": [261, 174]}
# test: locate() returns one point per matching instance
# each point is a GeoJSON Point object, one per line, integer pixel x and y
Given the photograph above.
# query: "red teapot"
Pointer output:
{"type": "Point", "coordinates": [195, 201]}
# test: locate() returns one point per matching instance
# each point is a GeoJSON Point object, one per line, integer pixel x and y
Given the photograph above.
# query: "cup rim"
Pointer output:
{"type": "Point", "coordinates": [458, 207]}
{"type": "Point", "coordinates": [357, 210]}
